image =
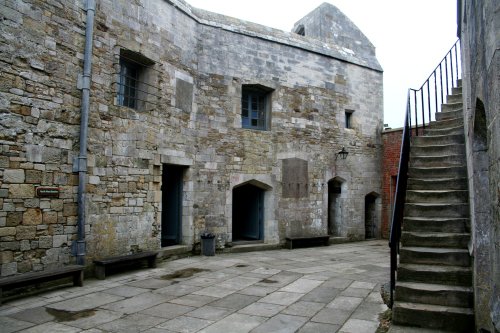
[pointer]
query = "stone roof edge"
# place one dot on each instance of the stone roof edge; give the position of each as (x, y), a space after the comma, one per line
(282, 37)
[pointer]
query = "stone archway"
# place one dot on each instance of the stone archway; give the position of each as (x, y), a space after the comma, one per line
(336, 201)
(372, 218)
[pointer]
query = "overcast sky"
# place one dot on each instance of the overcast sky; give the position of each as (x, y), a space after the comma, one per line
(411, 37)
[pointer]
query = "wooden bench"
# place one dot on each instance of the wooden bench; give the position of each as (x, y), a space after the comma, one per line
(294, 242)
(100, 264)
(22, 280)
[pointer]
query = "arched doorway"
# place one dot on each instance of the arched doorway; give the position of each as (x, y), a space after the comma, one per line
(248, 213)
(336, 191)
(371, 216)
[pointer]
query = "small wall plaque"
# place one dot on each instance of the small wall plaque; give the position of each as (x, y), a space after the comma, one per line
(47, 192)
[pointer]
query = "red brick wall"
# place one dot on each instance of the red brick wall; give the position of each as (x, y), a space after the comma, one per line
(390, 163)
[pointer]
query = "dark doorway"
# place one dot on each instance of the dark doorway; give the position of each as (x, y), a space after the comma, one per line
(370, 216)
(171, 216)
(248, 213)
(334, 207)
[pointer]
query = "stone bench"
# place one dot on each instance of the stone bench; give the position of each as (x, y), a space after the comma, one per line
(100, 264)
(294, 242)
(22, 280)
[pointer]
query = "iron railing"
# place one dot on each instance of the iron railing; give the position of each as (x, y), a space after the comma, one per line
(422, 103)
(426, 101)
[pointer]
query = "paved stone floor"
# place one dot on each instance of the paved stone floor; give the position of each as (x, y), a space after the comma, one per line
(321, 289)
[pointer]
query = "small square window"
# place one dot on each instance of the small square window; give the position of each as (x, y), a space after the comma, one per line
(136, 84)
(348, 119)
(255, 108)
(128, 86)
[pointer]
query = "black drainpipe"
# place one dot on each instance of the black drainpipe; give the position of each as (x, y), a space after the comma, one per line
(80, 164)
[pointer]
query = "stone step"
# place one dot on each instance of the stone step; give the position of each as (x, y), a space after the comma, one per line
(456, 90)
(448, 123)
(458, 129)
(438, 274)
(446, 139)
(437, 184)
(435, 239)
(445, 115)
(436, 294)
(433, 316)
(437, 150)
(437, 196)
(436, 224)
(452, 106)
(434, 256)
(438, 161)
(447, 210)
(437, 172)
(455, 97)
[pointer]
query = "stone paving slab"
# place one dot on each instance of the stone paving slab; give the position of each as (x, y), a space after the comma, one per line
(312, 290)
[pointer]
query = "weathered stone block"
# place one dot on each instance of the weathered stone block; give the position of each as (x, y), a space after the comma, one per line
(49, 217)
(15, 176)
(25, 232)
(7, 231)
(25, 245)
(33, 176)
(70, 209)
(21, 191)
(6, 257)
(32, 216)
(13, 219)
(45, 242)
(4, 193)
(32, 203)
(9, 269)
(59, 240)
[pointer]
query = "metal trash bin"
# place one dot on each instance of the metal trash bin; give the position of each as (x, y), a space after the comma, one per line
(207, 244)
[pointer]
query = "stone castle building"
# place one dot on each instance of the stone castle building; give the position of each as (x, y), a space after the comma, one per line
(134, 125)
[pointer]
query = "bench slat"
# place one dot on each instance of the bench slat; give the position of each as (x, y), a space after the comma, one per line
(311, 240)
(100, 264)
(22, 280)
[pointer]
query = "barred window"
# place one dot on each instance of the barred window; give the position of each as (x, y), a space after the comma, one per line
(129, 78)
(255, 108)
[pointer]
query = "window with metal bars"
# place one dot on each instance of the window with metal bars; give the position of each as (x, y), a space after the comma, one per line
(128, 85)
(255, 108)
(137, 81)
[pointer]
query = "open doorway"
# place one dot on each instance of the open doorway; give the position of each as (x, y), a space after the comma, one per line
(371, 216)
(335, 207)
(248, 213)
(172, 193)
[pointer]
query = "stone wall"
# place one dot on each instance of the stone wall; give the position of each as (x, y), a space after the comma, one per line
(479, 26)
(197, 64)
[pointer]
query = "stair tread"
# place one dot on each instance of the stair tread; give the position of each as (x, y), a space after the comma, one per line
(432, 286)
(434, 249)
(438, 168)
(435, 268)
(436, 191)
(437, 218)
(436, 234)
(433, 180)
(439, 145)
(434, 308)
(431, 204)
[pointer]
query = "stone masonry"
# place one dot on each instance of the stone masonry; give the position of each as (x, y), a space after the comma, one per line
(196, 66)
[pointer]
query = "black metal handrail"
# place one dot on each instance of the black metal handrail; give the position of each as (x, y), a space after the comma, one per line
(447, 73)
(426, 101)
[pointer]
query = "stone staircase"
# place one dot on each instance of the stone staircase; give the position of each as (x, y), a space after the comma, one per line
(434, 276)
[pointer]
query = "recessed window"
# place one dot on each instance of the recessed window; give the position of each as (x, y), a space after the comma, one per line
(255, 107)
(300, 30)
(135, 80)
(128, 88)
(348, 118)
